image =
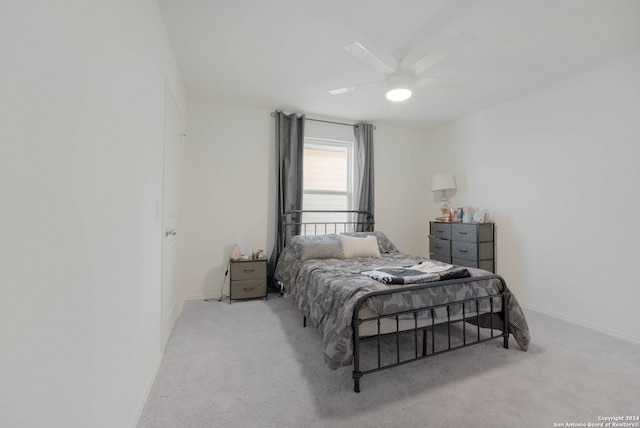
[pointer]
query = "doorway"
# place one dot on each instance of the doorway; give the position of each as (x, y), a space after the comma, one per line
(173, 179)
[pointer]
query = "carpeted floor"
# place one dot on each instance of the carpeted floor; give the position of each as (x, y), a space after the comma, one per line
(252, 364)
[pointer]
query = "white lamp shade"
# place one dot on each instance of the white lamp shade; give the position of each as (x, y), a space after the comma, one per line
(244, 244)
(443, 181)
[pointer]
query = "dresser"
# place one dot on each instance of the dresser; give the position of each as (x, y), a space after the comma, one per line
(248, 279)
(463, 244)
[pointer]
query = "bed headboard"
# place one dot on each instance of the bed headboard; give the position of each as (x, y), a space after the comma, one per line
(324, 222)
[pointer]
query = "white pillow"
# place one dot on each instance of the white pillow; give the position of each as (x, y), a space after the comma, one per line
(360, 247)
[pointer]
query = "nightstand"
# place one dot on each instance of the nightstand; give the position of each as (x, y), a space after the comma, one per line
(248, 279)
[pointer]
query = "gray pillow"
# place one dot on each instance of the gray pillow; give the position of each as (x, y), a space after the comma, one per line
(317, 247)
(384, 244)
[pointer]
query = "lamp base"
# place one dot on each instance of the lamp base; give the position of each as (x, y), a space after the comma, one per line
(444, 206)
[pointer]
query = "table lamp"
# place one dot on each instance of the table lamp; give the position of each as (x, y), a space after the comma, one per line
(443, 182)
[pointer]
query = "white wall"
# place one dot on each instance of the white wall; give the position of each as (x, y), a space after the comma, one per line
(227, 190)
(82, 87)
(230, 189)
(558, 169)
(402, 192)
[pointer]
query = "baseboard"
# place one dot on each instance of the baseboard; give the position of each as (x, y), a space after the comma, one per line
(176, 310)
(200, 297)
(145, 394)
(606, 331)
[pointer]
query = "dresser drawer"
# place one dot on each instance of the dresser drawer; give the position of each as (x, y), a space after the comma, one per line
(482, 264)
(465, 263)
(464, 232)
(487, 265)
(441, 230)
(248, 270)
(471, 251)
(472, 232)
(248, 288)
(440, 246)
(444, 258)
(463, 244)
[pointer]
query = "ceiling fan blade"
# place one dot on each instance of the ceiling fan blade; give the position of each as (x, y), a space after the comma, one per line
(443, 83)
(363, 54)
(354, 87)
(454, 45)
(342, 90)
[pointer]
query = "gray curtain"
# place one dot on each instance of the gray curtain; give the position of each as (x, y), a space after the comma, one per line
(289, 152)
(364, 164)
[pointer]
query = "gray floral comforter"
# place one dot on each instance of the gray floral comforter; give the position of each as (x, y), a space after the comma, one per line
(326, 291)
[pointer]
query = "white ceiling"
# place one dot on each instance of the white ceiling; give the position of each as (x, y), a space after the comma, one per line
(287, 54)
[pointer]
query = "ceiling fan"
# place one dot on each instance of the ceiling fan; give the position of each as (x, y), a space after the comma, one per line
(401, 80)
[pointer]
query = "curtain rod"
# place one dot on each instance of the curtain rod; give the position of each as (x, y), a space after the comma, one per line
(273, 114)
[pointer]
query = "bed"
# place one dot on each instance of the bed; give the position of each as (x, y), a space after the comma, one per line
(370, 301)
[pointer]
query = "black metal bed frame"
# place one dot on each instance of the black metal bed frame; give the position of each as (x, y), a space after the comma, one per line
(293, 222)
(414, 313)
(364, 221)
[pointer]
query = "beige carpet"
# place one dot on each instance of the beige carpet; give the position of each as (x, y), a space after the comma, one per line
(252, 364)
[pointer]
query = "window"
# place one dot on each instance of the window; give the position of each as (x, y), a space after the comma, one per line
(327, 178)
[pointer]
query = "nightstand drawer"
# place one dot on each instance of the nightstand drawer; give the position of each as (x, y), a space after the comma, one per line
(248, 279)
(441, 230)
(248, 270)
(441, 247)
(248, 288)
(472, 251)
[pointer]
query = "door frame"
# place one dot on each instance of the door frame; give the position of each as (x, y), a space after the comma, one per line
(168, 316)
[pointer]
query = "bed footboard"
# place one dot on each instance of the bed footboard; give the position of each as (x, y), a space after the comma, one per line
(424, 344)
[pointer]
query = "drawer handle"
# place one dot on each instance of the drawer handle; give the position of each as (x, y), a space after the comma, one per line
(463, 251)
(248, 289)
(438, 247)
(463, 233)
(248, 270)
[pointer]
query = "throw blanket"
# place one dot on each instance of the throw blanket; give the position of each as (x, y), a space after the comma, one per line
(426, 271)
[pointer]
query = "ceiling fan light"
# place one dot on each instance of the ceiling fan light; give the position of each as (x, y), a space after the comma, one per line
(399, 87)
(398, 94)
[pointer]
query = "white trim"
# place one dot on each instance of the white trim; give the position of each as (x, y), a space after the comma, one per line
(209, 297)
(606, 331)
(145, 393)
(323, 142)
(314, 143)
